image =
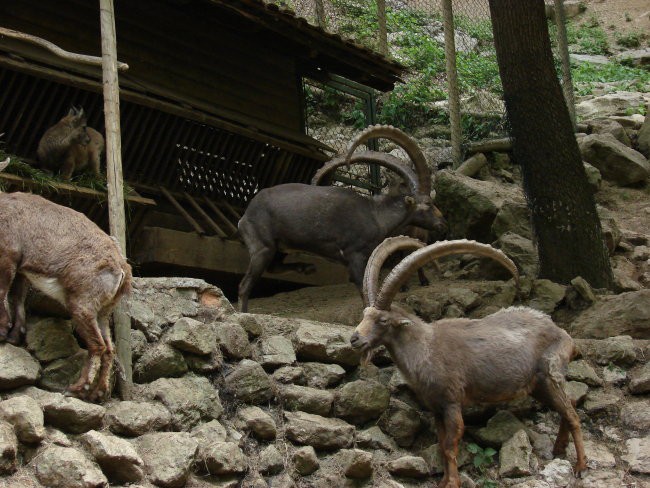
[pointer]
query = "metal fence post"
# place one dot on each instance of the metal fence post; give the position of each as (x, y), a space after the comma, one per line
(563, 48)
(452, 81)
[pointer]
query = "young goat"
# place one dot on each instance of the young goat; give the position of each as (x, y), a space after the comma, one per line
(67, 257)
(70, 145)
(452, 363)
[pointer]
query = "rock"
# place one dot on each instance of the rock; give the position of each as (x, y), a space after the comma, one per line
(637, 455)
(189, 335)
(583, 290)
(521, 251)
(356, 463)
(615, 161)
(290, 374)
(643, 138)
(624, 272)
(233, 340)
(67, 467)
(408, 466)
(276, 351)
(318, 432)
(209, 432)
(26, 416)
(619, 350)
(515, 456)
(582, 371)
(501, 427)
(571, 9)
(472, 165)
(588, 58)
(464, 298)
(136, 418)
(599, 402)
(546, 295)
(576, 391)
(614, 375)
(61, 373)
(558, 472)
(159, 361)
(602, 479)
(315, 341)
(115, 456)
(401, 422)
(513, 216)
(249, 383)
(374, 438)
(260, 423)
(636, 415)
(618, 103)
(319, 375)
(640, 380)
(435, 462)
(635, 57)
(453, 311)
(360, 401)
(189, 399)
(222, 458)
(73, 415)
(204, 364)
(8, 448)
(50, 338)
(594, 178)
(624, 314)
(598, 455)
(139, 344)
(167, 456)
(250, 323)
(271, 461)
(397, 381)
(17, 367)
(609, 126)
(305, 460)
(283, 481)
(310, 400)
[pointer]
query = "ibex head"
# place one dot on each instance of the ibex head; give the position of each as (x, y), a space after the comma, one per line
(76, 122)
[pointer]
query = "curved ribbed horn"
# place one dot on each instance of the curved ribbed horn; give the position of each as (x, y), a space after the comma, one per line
(411, 263)
(404, 141)
(377, 260)
(4, 164)
(382, 159)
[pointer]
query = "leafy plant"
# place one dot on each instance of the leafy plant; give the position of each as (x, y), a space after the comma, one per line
(619, 77)
(483, 458)
(589, 37)
(630, 39)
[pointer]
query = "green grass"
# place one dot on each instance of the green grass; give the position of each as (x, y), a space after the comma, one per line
(621, 77)
(588, 37)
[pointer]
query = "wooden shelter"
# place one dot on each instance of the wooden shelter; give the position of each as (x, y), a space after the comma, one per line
(211, 112)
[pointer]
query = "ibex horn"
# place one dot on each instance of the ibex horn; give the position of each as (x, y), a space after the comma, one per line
(4, 164)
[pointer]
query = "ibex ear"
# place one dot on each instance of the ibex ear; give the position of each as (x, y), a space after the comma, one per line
(80, 113)
(403, 322)
(72, 111)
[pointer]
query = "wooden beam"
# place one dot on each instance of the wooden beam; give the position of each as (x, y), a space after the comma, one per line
(220, 214)
(205, 216)
(197, 227)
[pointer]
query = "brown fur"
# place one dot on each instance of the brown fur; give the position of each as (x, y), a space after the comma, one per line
(70, 146)
(66, 256)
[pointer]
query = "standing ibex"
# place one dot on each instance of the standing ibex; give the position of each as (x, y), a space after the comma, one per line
(67, 257)
(70, 145)
(452, 363)
(333, 222)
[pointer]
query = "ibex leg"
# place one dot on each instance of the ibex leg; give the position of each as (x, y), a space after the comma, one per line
(85, 322)
(259, 262)
(7, 275)
(454, 427)
(102, 387)
(18, 296)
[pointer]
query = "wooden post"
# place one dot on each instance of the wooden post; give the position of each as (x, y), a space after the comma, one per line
(452, 81)
(563, 48)
(383, 32)
(115, 184)
(320, 13)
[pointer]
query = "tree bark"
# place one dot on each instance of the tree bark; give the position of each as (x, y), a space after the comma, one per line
(563, 208)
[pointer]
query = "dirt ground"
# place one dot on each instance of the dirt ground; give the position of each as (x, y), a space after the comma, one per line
(622, 16)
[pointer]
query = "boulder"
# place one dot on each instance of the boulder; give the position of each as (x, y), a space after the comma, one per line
(635, 57)
(643, 139)
(619, 350)
(159, 361)
(305, 460)
(637, 455)
(17, 367)
(189, 335)
(318, 432)
(521, 251)
(513, 216)
(640, 380)
(609, 126)
(260, 423)
(599, 402)
(8, 448)
(619, 103)
(636, 416)
(139, 344)
(233, 340)
(209, 432)
(117, 457)
(356, 463)
(558, 472)
(582, 371)
(609, 227)
(73, 415)
(360, 401)
(248, 382)
(61, 373)
(615, 161)
(546, 295)
(401, 422)
(576, 391)
(328, 343)
(136, 418)
(515, 456)
(594, 178)
(310, 400)
(276, 351)
(501, 427)
(250, 322)
(435, 462)
(167, 456)
(374, 438)
(290, 374)
(271, 460)
(67, 467)
(50, 338)
(26, 416)
(624, 314)
(408, 466)
(222, 458)
(320, 375)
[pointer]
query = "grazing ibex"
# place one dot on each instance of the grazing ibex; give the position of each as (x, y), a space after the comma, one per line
(452, 363)
(70, 145)
(333, 222)
(67, 257)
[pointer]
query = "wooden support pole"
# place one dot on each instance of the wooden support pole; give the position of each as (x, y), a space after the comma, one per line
(452, 81)
(320, 13)
(115, 183)
(563, 48)
(383, 31)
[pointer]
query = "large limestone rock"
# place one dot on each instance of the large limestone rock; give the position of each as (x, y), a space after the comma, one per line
(233, 340)
(26, 416)
(501, 427)
(624, 314)
(356, 463)
(328, 343)
(515, 456)
(61, 373)
(318, 432)
(73, 415)
(400, 421)
(615, 161)
(609, 126)
(189, 335)
(67, 467)
(137, 418)
(249, 383)
(276, 351)
(8, 448)
(159, 361)
(409, 466)
(222, 458)
(643, 140)
(310, 400)
(319, 375)
(640, 380)
(521, 251)
(611, 104)
(17, 367)
(636, 416)
(305, 460)
(167, 456)
(271, 460)
(260, 423)
(513, 216)
(637, 454)
(361, 401)
(209, 432)
(117, 457)
(50, 338)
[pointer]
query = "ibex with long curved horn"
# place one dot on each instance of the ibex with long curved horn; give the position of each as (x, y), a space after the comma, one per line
(452, 363)
(333, 222)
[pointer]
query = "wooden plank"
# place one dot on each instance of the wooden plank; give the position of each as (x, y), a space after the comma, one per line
(205, 216)
(199, 230)
(220, 214)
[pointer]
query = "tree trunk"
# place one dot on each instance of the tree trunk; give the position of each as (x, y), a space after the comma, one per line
(566, 224)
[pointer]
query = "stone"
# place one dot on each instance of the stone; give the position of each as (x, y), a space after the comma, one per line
(117, 457)
(204, 364)
(374, 438)
(250, 322)
(582, 371)
(637, 455)
(602, 479)
(17, 367)
(609, 126)
(435, 462)
(643, 138)
(73, 415)
(615, 315)
(289, 374)
(464, 298)
(599, 402)
(189, 399)
(233, 340)
(318, 432)
(248, 382)
(315, 341)
(26, 416)
(320, 375)
(284, 481)
(521, 251)
(624, 272)
(8, 448)
(397, 381)
(55, 436)
(260, 423)
(453, 311)
(310, 400)
(598, 455)
(546, 295)
(583, 289)
(613, 375)
(209, 432)
(360, 401)
(159, 361)
(618, 103)
(640, 380)
(136, 418)
(619, 350)
(472, 165)
(513, 216)
(408, 466)
(594, 178)
(615, 161)
(576, 391)
(636, 415)
(67, 467)
(515, 456)
(222, 458)
(271, 461)
(558, 472)
(611, 232)
(356, 463)
(305, 460)
(61, 373)
(635, 57)
(139, 344)
(50, 338)
(167, 456)
(400, 421)
(501, 427)
(189, 335)
(276, 351)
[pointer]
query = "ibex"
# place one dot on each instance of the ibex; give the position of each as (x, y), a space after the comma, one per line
(70, 145)
(66, 256)
(333, 222)
(452, 363)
